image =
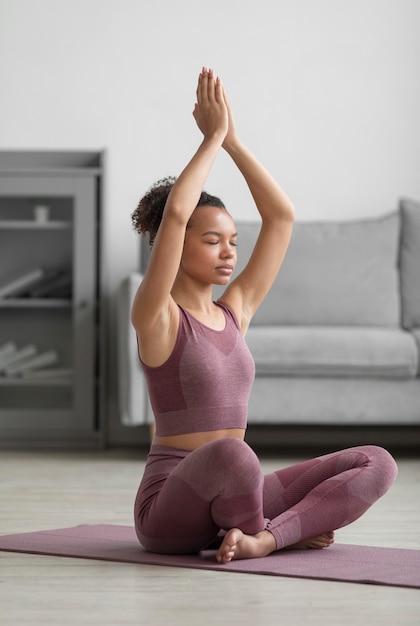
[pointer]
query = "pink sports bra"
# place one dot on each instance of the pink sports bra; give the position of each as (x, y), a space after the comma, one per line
(205, 383)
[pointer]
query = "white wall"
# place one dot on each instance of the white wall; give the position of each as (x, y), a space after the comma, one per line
(326, 92)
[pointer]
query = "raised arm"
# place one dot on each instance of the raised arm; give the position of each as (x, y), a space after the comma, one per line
(248, 290)
(153, 308)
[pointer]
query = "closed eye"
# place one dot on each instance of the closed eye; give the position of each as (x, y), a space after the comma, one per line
(214, 243)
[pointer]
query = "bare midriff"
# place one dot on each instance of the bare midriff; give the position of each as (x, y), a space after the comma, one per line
(192, 441)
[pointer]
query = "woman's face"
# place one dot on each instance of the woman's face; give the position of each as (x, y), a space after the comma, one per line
(209, 254)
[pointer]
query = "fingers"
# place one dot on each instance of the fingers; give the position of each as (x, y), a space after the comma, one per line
(210, 110)
(202, 86)
(207, 84)
(219, 91)
(209, 88)
(225, 98)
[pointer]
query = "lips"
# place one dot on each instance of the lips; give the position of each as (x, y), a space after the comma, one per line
(227, 269)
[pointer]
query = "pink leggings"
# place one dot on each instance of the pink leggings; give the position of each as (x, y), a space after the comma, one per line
(186, 498)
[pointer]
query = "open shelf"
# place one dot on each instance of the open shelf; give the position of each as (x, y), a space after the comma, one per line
(27, 381)
(33, 224)
(36, 303)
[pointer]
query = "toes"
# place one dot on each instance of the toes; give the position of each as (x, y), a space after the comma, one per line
(226, 556)
(228, 548)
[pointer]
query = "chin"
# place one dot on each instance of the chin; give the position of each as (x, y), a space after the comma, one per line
(222, 281)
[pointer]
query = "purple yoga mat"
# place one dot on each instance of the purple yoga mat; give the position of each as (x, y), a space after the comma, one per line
(340, 562)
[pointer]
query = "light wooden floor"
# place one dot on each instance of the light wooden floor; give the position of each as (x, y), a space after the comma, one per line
(43, 490)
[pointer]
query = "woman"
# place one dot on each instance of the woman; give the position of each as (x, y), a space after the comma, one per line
(202, 483)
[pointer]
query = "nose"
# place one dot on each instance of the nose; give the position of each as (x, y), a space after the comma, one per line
(228, 251)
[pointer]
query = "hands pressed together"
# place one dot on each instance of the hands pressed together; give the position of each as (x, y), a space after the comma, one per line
(212, 111)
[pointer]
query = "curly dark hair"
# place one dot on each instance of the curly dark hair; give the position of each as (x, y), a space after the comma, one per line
(148, 215)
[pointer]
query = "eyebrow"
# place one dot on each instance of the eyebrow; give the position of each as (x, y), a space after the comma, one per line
(214, 232)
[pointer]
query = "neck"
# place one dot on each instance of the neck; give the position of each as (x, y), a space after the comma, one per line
(194, 298)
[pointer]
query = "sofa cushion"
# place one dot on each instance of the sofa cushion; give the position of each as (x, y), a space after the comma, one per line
(334, 273)
(335, 402)
(334, 352)
(410, 263)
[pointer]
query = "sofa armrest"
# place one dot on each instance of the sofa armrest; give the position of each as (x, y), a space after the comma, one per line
(416, 333)
(410, 263)
(132, 392)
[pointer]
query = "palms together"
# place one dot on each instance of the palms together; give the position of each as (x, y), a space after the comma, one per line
(212, 111)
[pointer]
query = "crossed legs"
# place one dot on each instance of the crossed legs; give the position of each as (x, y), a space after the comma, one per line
(221, 486)
(306, 502)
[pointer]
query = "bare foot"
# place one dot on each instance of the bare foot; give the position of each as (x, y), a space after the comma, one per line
(319, 542)
(237, 545)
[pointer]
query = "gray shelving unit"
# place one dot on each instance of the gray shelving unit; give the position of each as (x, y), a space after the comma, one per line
(63, 405)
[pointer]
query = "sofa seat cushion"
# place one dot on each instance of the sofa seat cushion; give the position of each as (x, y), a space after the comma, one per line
(334, 351)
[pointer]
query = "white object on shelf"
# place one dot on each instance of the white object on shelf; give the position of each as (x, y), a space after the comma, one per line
(41, 213)
(56, 281)
(37, 362)
(19, 282)
(16, 356)
(6, 350)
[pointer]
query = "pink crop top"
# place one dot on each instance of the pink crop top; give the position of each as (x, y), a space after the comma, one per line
(205, 383)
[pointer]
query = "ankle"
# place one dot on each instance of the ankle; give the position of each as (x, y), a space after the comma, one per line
(267, 541)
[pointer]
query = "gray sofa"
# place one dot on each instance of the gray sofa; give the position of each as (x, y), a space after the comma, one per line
(336, 342)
